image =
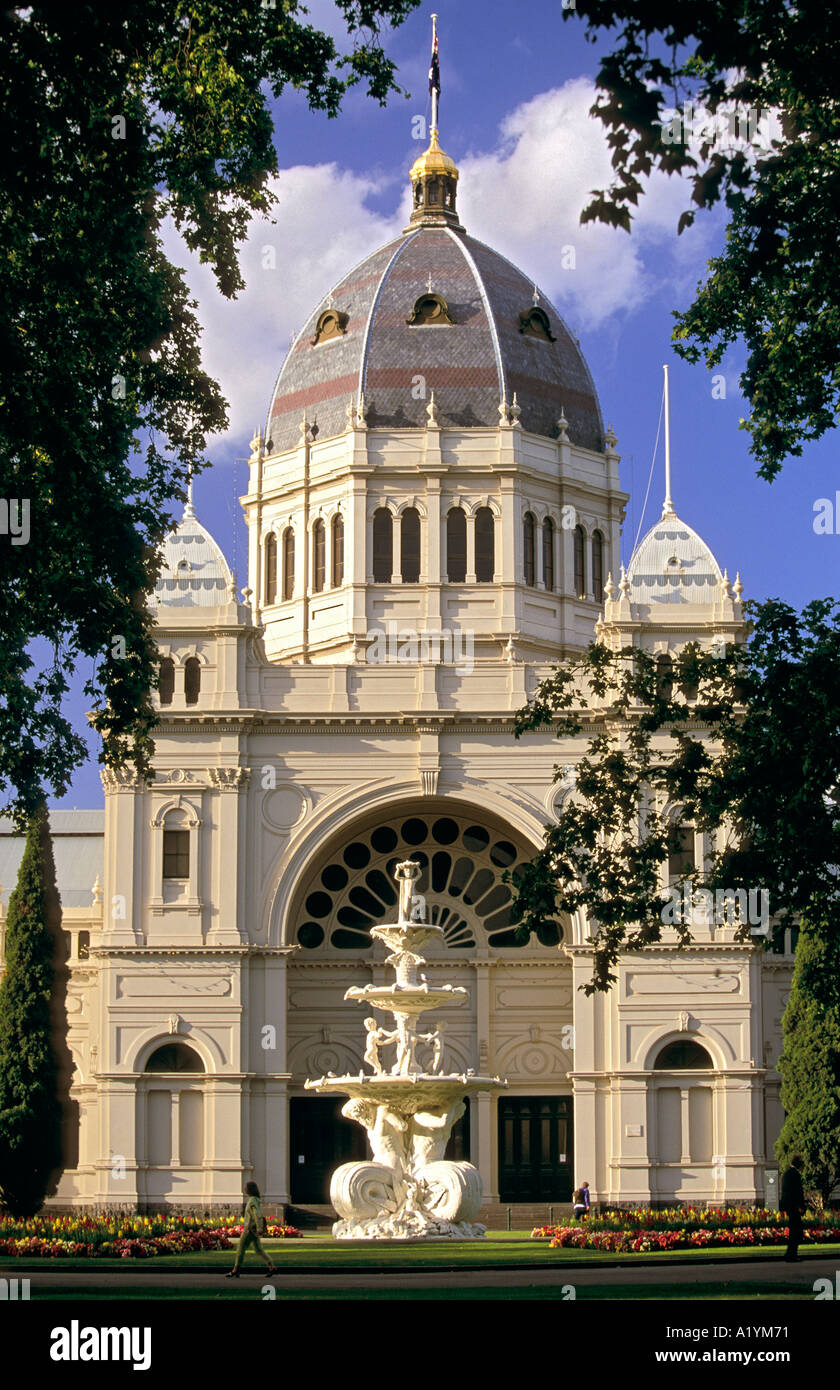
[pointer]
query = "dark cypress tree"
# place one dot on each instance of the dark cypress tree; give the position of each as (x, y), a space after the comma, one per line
(810, 1061)
(30, 1108)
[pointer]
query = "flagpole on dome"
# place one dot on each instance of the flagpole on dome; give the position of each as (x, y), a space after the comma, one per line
(668, 508)
(434, 77)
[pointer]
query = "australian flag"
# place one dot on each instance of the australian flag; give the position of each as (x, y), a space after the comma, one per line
(434, 70)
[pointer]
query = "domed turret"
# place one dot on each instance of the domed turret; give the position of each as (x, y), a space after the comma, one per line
(672, 564)
(194, 570)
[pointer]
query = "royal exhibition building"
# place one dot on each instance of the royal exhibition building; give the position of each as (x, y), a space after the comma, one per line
(434, 518)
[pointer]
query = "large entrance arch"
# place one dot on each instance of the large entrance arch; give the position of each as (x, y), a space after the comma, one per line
(514, 1021)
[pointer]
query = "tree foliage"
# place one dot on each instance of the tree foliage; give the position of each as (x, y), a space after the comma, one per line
(30, 1106)
(115, 117)
(776, 286)
(745, 741)
(810, 1061)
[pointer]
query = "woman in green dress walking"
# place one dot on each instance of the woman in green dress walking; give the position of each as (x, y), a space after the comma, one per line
(252, 1229)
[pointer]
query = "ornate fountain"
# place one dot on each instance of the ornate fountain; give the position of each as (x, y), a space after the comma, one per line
(408, 1190)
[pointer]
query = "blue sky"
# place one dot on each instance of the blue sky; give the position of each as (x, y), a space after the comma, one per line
(516, 88)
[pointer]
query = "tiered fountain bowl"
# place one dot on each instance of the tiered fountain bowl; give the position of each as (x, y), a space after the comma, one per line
(408, 1190)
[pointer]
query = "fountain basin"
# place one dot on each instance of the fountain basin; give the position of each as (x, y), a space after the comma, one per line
(407, 1094)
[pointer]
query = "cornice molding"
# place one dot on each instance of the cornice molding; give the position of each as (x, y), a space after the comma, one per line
(215, 953)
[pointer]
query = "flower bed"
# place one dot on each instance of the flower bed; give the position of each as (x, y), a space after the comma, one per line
(687, 1228)
(129, 1238)
(689, 1219)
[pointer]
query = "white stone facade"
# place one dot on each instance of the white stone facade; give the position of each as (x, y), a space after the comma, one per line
(239, 885)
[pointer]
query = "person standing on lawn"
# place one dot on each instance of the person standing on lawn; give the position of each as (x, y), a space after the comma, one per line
(792, 1204)
(580, 1201)
(253, 1226)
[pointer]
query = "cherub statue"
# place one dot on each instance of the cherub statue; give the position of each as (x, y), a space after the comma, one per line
(372, 1044)
(435, 1041)
(406, 1041)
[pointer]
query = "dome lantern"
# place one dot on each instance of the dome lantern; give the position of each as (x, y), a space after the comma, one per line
(434, 187)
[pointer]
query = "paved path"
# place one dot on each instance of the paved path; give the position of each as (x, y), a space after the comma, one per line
(762, 1275)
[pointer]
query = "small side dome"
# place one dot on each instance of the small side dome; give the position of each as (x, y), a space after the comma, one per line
(672, 564)
(194, 572)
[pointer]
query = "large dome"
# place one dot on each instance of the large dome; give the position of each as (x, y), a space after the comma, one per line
(434, 304)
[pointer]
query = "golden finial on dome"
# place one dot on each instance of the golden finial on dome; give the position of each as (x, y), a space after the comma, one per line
(433, 160)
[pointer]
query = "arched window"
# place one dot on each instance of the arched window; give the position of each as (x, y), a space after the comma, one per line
(271, 568)
(383, 546)
(83, 946)
(410, 545)
(580, 565)
(548, 552)
(683, 1055)
(166, 686)
(288, 563)
(485, 553)
(529, 549)
(598, 566)
(174, 1056)
(192, 680)
(337, 551)
(456, 545)
(319, 556)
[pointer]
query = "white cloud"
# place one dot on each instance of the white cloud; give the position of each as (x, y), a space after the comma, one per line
(322, 229)
(524, 198)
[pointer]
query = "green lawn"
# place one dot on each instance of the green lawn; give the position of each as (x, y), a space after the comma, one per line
(252, 1291)
(317, 1251)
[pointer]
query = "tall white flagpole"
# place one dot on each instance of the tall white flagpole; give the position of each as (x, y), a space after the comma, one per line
(669, 505)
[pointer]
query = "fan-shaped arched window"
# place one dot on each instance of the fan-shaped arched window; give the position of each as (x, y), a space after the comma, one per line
(580, 563)
(683, 1055)
(456, 545)
(271, 568)
(288, 563)
(192, 680)
(166, 685)
(175, 1056)
(337, 551)
(548, 552)
(319, 556)
(485, 549)
(529, 548)
(598, 566)
(383, 546)
(410, 545)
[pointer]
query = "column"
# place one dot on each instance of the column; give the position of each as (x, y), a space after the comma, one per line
(471, 579)
(175, 1128)
(396, 559)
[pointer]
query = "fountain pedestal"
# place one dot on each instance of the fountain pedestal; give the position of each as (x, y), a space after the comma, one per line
(408, 1190)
